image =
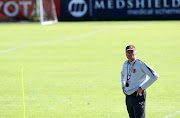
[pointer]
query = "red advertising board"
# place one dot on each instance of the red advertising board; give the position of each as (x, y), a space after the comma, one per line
(21, 9)
(16, 9)
(57, 4)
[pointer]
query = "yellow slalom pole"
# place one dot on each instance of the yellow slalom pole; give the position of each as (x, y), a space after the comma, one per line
(22, 91)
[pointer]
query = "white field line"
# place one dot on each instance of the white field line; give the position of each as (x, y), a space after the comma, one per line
(52, 41)
(168, 116)
(73, 37)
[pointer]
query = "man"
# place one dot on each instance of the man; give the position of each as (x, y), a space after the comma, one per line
(134, 78)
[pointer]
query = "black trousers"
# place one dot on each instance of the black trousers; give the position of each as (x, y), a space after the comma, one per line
(136, 105)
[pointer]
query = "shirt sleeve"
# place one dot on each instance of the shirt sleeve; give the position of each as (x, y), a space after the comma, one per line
(151, 73)
(123, 77)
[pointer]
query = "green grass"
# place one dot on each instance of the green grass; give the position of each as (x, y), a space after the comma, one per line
(80, 78)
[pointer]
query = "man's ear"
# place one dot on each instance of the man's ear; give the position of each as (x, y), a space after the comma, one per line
(136, 53)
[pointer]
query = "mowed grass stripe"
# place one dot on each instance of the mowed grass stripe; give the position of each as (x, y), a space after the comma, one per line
(73, 37)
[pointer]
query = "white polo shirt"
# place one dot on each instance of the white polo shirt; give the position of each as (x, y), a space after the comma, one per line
(139, 72)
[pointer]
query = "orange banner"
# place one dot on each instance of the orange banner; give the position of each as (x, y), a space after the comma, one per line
(17, 9)
(21, 9)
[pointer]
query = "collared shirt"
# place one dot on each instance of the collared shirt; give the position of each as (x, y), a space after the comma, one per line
(139, 72)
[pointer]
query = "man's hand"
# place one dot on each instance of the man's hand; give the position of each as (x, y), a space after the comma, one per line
(139, 91)
(123, 91)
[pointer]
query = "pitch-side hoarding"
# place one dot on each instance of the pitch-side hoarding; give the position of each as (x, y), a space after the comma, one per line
(119, 9)
(21, 9)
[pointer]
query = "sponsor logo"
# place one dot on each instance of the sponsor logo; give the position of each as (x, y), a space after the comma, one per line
(141, 103)
(140, 7)
(14, 8)
(134, 70)
(136, 4)
(77, 8)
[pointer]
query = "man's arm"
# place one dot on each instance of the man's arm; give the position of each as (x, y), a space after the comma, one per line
(123, 90)
(153, 77)
(151, 73)
(123, 79)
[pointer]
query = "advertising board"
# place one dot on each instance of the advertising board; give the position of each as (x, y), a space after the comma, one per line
(119, 9)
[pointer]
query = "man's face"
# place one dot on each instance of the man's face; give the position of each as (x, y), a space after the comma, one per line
(131, 54)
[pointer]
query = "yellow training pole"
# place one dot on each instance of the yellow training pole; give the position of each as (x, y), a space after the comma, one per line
(22, 91)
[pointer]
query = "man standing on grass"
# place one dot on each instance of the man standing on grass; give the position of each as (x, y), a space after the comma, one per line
(134, 78)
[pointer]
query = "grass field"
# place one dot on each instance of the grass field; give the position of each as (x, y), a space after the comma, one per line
(72, 69)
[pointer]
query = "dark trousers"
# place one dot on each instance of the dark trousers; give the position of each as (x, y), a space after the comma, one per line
(136, 105)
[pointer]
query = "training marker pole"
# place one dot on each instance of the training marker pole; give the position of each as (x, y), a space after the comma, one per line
(22, 91)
